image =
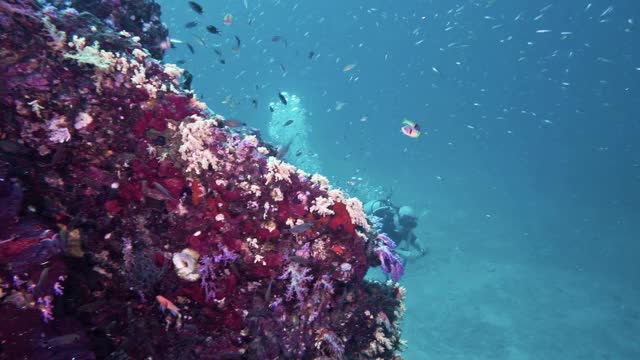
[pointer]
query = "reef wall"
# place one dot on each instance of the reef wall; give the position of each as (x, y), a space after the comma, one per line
(135, 224)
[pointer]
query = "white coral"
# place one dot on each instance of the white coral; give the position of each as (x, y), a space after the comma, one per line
(278, 170)
(174, 71)
(321, 206)
(320, 181)
(58, 131)
(276, 194)
(356, 212)
(186, 264)
(382, 339)
(92, 55)
(36, 108)
(140, 55)
(251, 140)
(139, 76)
(194, 149)
(336, 195)
(255, 190)
(82, 120)
(57, 37)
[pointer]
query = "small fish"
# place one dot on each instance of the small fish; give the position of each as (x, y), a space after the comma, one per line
(298, 229)
(41, 280)
(384, 320)
(200, 40)
(191, 24)
(284, 70)
(289, 122)
(277, 38)
(237, 47)
(267, 294)
(282, 98)
(180, 62)
(196, 7)
(254, 102)
(311, 55)
(299, 260)
(212, 29)
(165, 304)
(607, 11)
(222, 61)
(298, 153)
(270, 108)
(188, 78)
(282, 151)
(410, 129)
(157, 192)
(62, 340)
(349, 67)
(545, 8)
(228, 100)
(228, 19)
(191, 48)
(232, 123)
(218, 52)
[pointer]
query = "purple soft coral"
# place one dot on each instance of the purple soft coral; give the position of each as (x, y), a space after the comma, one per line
(298, 276)
(46, 308)
(226, 256)
(206, 269)
(390, 262)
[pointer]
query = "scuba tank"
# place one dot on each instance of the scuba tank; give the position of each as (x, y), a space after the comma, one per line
(380, 208)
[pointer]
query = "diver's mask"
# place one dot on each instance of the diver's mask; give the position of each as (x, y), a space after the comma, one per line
(408, 222)
(406, 218)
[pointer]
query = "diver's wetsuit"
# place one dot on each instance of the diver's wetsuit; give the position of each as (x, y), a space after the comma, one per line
(389, 214)
(386, 211)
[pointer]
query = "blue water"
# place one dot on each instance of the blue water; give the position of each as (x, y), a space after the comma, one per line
(526, 176)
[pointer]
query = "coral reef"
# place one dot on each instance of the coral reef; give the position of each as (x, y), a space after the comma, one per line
(135, 224)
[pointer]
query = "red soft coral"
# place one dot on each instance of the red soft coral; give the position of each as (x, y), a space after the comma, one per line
(341, 221)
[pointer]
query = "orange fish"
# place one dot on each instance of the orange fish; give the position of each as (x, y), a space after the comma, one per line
(197, 191)
(228, 19)
(338, 249)
(410, 129)
(165, 304)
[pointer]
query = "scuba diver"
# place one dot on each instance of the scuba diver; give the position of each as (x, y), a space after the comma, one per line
(398, 223)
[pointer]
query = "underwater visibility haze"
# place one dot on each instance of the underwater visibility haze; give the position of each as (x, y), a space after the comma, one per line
(275, 179)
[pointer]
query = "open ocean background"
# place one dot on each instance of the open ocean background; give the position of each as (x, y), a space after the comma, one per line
(526, 176)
